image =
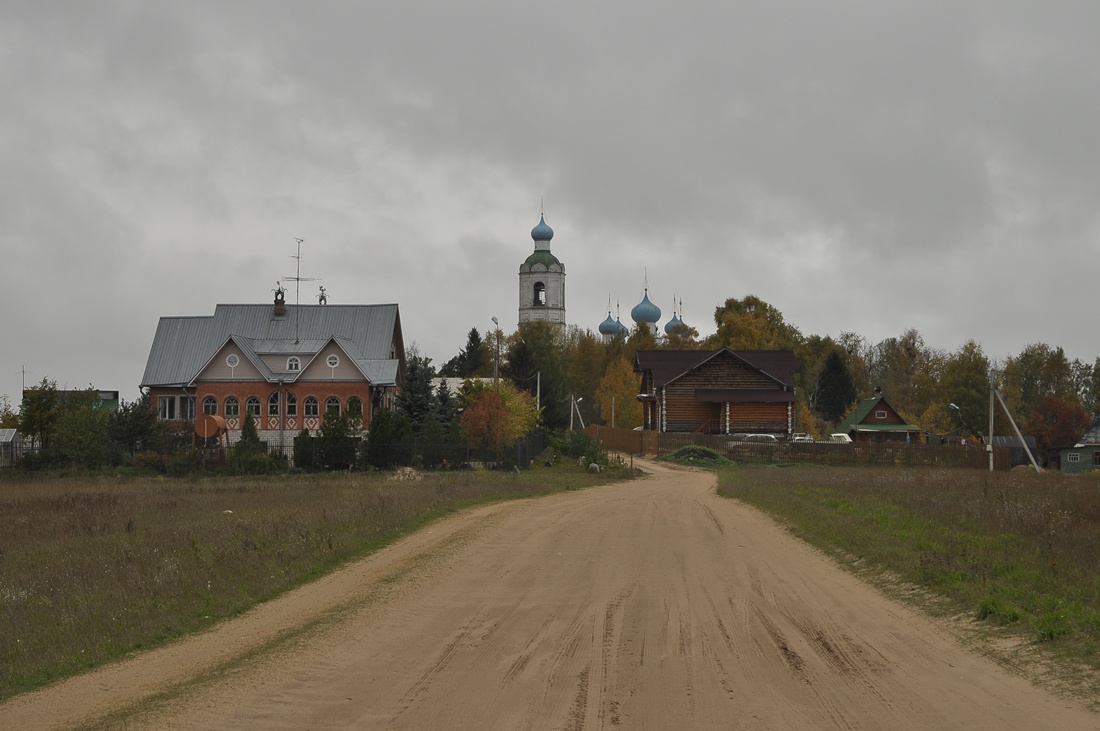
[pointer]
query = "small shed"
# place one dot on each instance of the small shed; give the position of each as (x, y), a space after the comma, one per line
(1017, 449)
(11, 447)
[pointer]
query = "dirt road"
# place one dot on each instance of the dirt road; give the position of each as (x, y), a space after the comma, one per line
(652, 604)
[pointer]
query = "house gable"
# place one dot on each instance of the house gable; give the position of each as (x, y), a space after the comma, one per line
(875, 419)
(231, 362)
(333, 362)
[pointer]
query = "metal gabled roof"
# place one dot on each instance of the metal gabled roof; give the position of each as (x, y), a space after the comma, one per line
(380, 372)
(268, 346)
(183, 345)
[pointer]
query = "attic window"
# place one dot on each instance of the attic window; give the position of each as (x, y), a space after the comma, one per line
(880, 414)
(232, 360)
(293, 363)
(540, 295)
(333, 360)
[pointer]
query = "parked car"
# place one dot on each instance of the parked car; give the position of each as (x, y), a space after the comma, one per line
(801, 438)
(759, 438)
(840, 438)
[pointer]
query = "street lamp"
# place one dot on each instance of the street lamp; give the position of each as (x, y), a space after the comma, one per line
(574, 407)
(958, 418)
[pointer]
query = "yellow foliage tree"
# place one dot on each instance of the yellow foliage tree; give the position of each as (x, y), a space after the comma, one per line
(498, 413)
(618, 393)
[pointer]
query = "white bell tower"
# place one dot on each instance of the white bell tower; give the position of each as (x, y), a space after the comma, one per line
(542, 281)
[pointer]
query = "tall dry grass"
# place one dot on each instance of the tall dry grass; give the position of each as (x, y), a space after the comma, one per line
(1016, 550)
(93, 568)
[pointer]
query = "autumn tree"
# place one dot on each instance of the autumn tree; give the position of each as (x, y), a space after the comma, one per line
(536, 358)
(1038, 372)
(617, 395)
(752, 324)
(9, 417)
(585, 355)
(907, 371)
(40, 413)
(682, 337)
(858, 351)
(498, 414)
(1056, 424)
(965, 384)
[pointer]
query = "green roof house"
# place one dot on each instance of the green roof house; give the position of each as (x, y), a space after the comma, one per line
(875, 420)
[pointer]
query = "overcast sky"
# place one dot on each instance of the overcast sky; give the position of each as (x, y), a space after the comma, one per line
(862, 166)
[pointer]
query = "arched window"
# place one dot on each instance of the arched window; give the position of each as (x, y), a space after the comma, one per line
(332, 406)
(273, 404)
(311, 406)
(293, 363)
(252, 406)
(210, 405)
(232, 407)
(291, 404)
(540, 295)
(355, 406)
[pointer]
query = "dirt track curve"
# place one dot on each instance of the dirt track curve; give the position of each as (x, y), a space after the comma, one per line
(651, 604)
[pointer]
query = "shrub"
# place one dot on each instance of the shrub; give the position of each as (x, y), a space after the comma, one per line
(695, 453)
(578, 444)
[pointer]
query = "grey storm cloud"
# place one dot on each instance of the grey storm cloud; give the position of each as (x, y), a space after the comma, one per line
(863, 167)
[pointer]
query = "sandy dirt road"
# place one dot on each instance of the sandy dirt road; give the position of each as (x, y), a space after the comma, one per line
(653, 604)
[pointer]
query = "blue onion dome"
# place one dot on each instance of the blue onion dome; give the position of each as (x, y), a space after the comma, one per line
(623, 329)
(645, 311)
(672, 324)
(542, 232)
(609, 326)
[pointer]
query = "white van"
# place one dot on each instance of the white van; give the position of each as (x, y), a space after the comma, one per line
(840, 438)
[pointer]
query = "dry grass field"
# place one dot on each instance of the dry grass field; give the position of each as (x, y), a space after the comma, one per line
(93, 568)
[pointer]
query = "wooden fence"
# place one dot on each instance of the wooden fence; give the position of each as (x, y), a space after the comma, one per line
(824, 453)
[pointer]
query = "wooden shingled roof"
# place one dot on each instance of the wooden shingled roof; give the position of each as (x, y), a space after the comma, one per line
(668, 365)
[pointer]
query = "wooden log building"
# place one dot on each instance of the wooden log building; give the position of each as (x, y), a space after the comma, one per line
(717, 392)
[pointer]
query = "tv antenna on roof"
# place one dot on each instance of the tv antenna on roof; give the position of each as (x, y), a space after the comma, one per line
(297, 279)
